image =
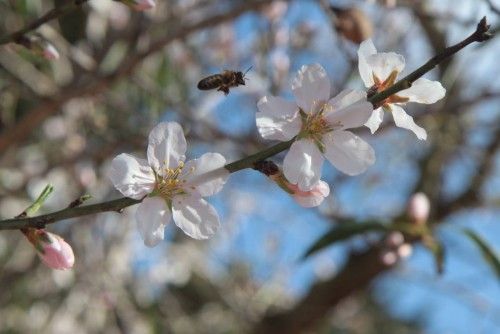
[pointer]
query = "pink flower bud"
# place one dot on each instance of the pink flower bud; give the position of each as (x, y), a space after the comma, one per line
(307, 199)
(50, 52)
(141, 5)
(394, 239)
(52, 249)
(419, 208)
(405, 250)
(388, 257)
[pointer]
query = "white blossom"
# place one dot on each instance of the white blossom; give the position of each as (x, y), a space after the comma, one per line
(173, 189)
(319, 125)
(379, 71)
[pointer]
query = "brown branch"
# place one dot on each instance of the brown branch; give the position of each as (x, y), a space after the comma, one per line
(356, 275)
(35, 117)
(50, 15)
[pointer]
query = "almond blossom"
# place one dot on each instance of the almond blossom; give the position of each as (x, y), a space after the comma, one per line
(319, 125)
(52, 249)
(171, 188)
(379, 71)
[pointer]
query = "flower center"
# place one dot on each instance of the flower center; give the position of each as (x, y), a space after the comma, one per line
(380, 86)
(171, 182)
(315, 125)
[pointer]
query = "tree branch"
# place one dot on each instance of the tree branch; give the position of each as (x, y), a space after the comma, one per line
(50, 15)
(481, 34)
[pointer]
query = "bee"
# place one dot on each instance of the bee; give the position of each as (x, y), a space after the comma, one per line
(223, 81)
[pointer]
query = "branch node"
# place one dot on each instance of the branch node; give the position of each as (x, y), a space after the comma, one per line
(79, 201)
(482, 31)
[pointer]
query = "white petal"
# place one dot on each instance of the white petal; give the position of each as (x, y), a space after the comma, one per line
(167, 146)
(405, 121)
(302, 164)
(375, 120)
(152, 215)
(206, 175)
(348, 152)
(195, 216)
(365, 50)
(131, 176)
(350, 109)
(277, 119)
(424, 91)
(311, 86)
(315, 197)
(382, 64)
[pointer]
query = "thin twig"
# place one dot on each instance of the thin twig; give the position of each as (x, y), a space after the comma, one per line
(481, 34)
(50, 15)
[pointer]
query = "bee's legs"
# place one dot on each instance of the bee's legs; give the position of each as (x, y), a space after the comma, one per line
(224, 88)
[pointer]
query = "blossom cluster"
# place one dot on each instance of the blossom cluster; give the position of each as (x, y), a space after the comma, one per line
(317, 124)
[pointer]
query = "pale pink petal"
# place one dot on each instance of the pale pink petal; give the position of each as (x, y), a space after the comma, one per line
(383, 64)
(348, 152)
(195, 216)
(375, 120)
(206, 175)
(314, 197)
(349, 110)
(277, 119)
(167, 146)
(302, 164)
(131, 176)
(311, 87)
(152, 216)
(405, 121)
(424, 91)
(141, 5)
(365, 50)
(57, 253)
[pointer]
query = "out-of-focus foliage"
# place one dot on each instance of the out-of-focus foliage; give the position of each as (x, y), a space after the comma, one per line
(62, 121)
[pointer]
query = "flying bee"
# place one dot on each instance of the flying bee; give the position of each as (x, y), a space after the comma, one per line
(223, 81)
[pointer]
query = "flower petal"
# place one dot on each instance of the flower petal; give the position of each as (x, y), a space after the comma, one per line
(314, 197)
(311, 86)
(206, 175)
(375, 120)
(424, 91)
(405, 121)
(366, 49)
(277, 119)
(348, 152)
(152, 215)
(167, 146)
(195, 216)
(131, 176)
(350, 109)
(302, 164)
(382, 64)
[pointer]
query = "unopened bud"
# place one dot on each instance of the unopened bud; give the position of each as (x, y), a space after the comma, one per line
(405, 250)
(52, 249)
(40, 46)
(394, 239)
(388, 257)
(419, 207)
(307, 199)
(352, 24)
(139, 5)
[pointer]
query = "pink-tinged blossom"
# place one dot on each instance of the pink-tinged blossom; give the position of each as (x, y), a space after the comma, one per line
(419, 208)
(50, 52)
(172, 189)
(319, 126)
(52, 249)
(307, 199)
(379, 71)
(140, 5)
